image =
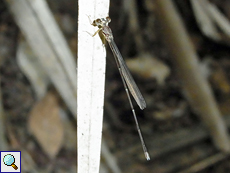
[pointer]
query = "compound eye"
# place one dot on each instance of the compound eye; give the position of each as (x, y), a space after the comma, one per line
(98, 21)
(108, 19)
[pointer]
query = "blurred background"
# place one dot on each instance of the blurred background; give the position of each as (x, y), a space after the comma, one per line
(35, 119)
(188, 95)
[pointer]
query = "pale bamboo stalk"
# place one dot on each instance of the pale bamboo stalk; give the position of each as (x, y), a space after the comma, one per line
(90, 86)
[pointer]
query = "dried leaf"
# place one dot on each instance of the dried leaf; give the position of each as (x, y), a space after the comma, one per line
(46, 125)
(149, 67)
(220, 80)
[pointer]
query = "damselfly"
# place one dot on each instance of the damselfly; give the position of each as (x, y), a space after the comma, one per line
(126, 77)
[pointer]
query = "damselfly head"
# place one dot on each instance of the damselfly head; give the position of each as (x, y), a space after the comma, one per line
(108, 19)
(101, 22)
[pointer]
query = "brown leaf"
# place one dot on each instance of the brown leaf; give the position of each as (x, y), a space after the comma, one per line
(46, 125)
(149, 67)
(220, 80)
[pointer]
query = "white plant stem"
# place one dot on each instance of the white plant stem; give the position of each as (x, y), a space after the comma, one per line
(90, 87)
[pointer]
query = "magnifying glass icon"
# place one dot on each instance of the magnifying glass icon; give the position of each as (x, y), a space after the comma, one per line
(9, 160)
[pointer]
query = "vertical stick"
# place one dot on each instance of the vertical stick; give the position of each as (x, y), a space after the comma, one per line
(90, 87)
(195, 85)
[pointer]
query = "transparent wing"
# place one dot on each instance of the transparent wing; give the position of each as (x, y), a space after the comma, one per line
(127, 76)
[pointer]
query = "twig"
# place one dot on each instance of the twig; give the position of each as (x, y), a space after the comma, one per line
(205, 163)
(196, 87)
(219, 18)
(206, 24)
(209, 17)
